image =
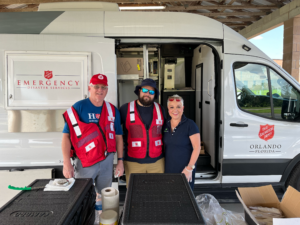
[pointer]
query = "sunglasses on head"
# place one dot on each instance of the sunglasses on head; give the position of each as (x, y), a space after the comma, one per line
(172, 99)
(145, 90)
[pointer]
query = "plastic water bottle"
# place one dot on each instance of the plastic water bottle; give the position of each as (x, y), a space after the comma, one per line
(98, 209)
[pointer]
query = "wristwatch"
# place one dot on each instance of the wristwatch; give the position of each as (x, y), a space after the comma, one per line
(193, 166)
(121, 159)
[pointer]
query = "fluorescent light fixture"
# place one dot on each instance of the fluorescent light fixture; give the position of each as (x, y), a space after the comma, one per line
(16, 6)
(141, 7)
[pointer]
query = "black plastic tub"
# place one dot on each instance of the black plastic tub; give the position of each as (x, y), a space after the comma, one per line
(75, 206)
(160, 199)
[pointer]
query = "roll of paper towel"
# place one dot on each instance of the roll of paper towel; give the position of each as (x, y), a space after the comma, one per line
(110, 199)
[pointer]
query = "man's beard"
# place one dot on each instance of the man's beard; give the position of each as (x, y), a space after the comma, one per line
(145, 102)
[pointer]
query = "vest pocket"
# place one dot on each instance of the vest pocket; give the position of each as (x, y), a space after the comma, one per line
(92, 152)
(156, 131)
(136, 131)
(157, 148)
(111, 142)
(137, 149)
(87, 139)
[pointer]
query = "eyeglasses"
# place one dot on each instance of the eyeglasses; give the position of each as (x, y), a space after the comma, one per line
(97, 87)
(145, 90)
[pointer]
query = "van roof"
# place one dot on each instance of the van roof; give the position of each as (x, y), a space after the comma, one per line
(111, 24)
(122, 24)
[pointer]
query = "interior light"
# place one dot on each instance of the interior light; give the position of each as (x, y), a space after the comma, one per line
(141, 7)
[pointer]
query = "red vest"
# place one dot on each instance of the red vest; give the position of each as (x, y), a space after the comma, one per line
(92, 141)
(142, 142)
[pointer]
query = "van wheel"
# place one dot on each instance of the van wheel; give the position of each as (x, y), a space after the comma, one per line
(294, 178)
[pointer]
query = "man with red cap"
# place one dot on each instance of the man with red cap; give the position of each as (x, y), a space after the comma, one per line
(92, 133)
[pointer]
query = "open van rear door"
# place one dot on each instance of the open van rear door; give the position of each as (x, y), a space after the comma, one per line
(261, 120)
(43, 76)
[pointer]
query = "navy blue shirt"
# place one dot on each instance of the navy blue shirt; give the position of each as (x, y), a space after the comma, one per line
(88, 113)
(178, 146)
(146, 114)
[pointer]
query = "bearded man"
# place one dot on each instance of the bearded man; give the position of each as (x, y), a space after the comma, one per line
(142, 121)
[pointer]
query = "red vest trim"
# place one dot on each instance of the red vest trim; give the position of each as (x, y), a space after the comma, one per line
(141, 141)
(92, 141)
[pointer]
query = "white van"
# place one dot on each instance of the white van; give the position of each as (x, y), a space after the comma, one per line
(246, 106)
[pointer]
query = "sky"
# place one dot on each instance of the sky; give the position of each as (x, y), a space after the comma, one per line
(271, 42)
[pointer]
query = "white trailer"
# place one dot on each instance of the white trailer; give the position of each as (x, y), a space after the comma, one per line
(246, 106)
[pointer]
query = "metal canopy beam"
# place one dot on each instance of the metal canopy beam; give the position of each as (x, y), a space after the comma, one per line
(8, 2)
(250, 19)
(210, 7)
(233, 14)
(272, 20)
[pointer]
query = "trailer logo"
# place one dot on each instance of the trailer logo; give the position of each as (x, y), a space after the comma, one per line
(266, 132)
(48, 74)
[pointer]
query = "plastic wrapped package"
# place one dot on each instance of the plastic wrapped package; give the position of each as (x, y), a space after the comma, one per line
(214, 214)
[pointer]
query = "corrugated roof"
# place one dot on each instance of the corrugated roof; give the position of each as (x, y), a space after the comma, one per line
(236, 14)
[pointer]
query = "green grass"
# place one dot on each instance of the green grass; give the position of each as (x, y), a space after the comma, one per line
(262, 110)
(263, 92)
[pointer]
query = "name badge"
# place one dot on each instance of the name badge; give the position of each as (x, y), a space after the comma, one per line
(90, 147)
(158, 143)
(159, 122)
(136, 144)
(111, 136)
(112, 128)
(112, 119)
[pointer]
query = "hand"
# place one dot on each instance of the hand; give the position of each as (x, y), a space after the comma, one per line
(68, 169)
(119, 169)
(188, 174)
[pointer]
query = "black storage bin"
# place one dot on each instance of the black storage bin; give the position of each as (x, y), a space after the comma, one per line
(75, 206)
(161, 199)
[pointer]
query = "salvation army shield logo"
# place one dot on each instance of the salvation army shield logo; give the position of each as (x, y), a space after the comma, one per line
(48, 74)
(266, 132)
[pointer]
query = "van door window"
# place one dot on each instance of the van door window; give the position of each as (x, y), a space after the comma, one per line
(252, 88)
(285, 98)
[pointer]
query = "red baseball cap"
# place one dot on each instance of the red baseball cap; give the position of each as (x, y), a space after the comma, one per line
(99, 79)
